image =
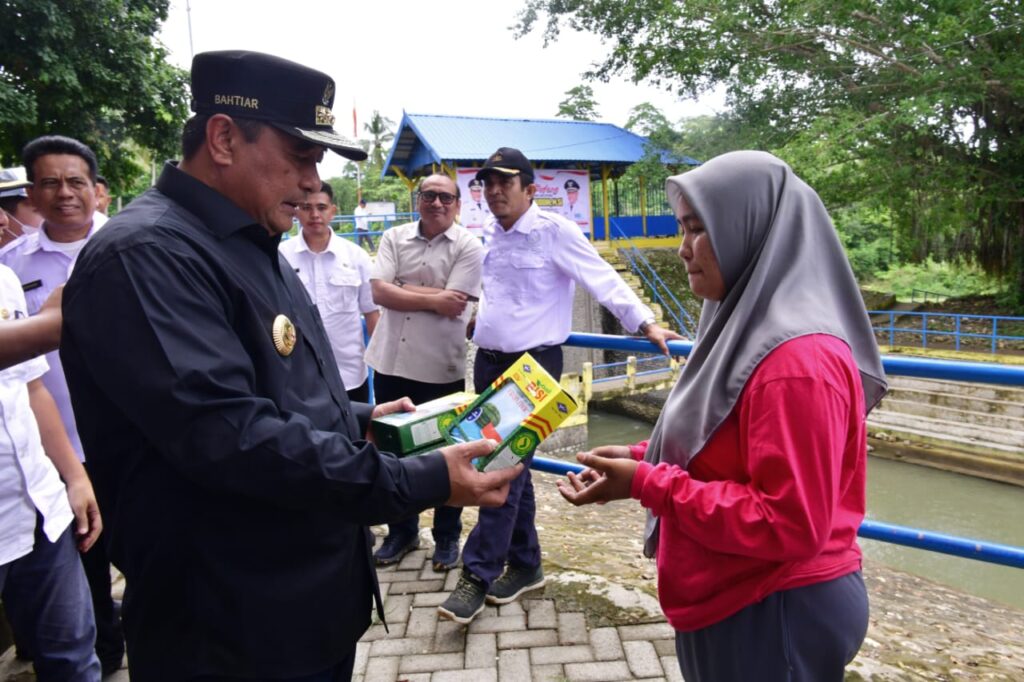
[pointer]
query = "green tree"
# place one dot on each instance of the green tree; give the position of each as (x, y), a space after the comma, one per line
(90, 70)
(381, 132)
(579, 104)
(917, 106)
(646, 119)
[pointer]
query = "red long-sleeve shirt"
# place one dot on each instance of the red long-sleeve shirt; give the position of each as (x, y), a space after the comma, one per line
(775, 498)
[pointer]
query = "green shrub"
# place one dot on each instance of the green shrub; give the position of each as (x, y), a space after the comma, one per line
(945, 279)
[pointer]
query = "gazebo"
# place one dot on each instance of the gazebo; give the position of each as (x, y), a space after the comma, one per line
(431, 143)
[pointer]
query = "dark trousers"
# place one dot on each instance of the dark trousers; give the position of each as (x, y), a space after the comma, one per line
(386, 387)
(507, 533)
(341, 672)
(807, 634)
(364, 240)
(359, 394)
(46, 598)
(109, 635)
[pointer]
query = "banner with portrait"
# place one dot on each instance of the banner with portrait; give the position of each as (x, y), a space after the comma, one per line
(562, 191)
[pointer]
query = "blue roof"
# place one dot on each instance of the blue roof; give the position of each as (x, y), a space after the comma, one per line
(426, 139)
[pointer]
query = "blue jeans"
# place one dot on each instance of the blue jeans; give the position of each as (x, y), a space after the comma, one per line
(507, 533)
(48, 605)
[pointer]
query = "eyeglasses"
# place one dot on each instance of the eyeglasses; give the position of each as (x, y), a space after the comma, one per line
(428, 197)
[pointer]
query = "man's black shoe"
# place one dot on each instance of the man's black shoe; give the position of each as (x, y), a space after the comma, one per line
(513, 582)
(446, 554)
(466, 601)
(394, 548)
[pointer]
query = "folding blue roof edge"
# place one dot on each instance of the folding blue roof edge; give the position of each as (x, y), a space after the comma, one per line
(425, 139)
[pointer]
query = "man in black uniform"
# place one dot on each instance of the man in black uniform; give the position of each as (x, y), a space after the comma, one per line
(238, 481)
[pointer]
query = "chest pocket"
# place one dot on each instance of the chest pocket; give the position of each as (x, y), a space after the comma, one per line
(533, 275)
(342, 290)
(527, 260)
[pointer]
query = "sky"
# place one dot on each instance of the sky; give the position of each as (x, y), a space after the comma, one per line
(456, 57)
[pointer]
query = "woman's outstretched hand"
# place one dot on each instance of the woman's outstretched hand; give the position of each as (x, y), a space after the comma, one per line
(608, 476)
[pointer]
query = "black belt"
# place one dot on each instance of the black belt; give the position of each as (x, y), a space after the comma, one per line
(497, 356)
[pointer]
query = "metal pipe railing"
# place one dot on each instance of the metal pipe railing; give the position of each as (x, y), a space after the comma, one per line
(979, 550)
(925, 368)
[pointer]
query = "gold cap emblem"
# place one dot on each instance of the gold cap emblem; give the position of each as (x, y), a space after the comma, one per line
(324, 117)
(283, 333)
(328, 94)
(4, 313)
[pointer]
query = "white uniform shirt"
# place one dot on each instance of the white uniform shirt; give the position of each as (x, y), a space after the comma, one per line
(42, 265)
(474, 216)
(361, 220)
(420, 344)
(28, 479)
(529, 278)
(338, 281)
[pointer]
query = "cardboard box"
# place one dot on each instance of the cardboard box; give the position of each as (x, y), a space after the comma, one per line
(405, 432)
(518, 411)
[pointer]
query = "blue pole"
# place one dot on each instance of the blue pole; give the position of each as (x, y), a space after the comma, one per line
(926, 368)
(978, 550)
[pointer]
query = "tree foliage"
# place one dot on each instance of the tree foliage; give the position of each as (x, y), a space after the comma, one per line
(367, 176)
(917, 107)
(381, 132)
(579, 104)
(91, 70)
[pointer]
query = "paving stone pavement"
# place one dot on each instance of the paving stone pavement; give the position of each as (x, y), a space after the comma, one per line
(537, 638)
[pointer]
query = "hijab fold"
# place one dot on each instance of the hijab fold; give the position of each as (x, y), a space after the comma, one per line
(786, 276)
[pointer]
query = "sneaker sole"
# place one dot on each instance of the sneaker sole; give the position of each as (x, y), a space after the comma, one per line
(491, 599)
(445, 613)
(443, 568)
(396, 559)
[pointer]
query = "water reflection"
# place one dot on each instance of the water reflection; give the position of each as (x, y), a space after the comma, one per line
(910, 495)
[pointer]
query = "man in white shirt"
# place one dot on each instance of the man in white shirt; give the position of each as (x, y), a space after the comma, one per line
(42, 584)
(426, 274)
(363, 225)
(532, 261)
(63, 175)
(336, 273)
(474, 210)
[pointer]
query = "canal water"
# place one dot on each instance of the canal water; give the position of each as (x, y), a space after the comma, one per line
(920, 497)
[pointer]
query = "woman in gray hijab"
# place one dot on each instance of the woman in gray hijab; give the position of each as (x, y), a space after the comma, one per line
(754, 476)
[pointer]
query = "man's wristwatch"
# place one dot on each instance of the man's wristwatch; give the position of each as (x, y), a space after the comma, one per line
(642, 329)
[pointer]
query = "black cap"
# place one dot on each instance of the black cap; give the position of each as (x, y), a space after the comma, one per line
(507, 161)
(475, 184)
(572, 184)
(291, 97)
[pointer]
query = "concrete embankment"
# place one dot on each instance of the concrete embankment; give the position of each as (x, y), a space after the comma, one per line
(974, 429)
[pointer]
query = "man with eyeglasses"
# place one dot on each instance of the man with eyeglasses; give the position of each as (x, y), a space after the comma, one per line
(425, 276)
(336, 273)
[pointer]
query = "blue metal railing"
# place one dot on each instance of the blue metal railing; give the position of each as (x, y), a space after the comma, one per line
(927, 328)
(990, 552)
(639, 264)
(982, 372)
